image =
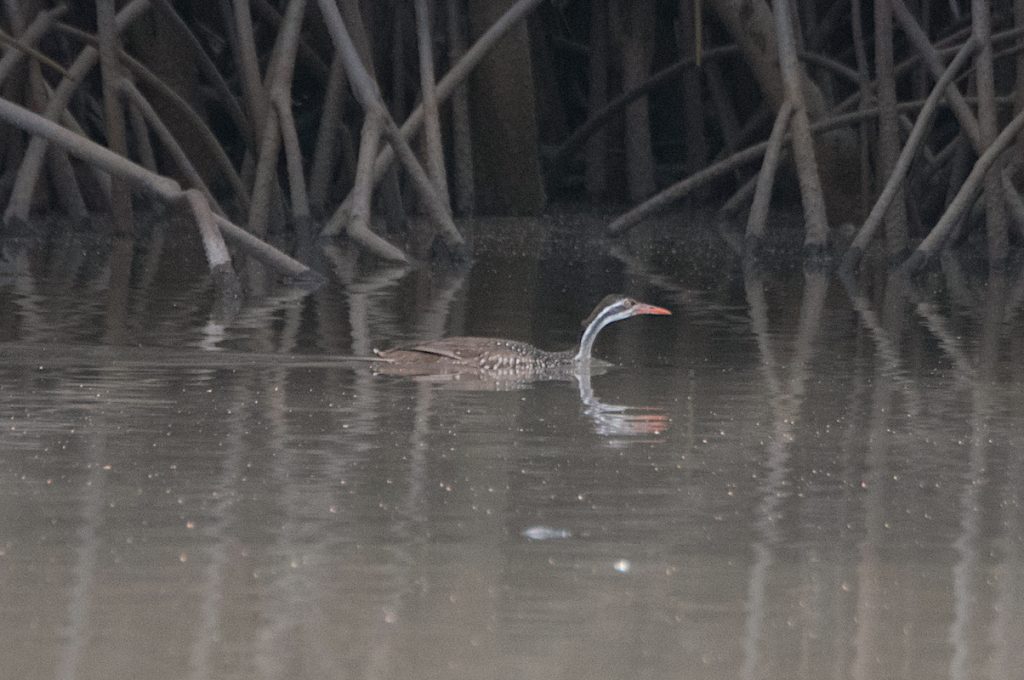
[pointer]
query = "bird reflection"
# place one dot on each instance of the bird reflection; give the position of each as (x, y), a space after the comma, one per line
(611, 420)
(608, 419)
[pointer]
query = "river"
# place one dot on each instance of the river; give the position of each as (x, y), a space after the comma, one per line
(792, 477)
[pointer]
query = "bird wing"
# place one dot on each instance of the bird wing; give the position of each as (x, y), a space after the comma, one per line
(454, 349)
(434, 349)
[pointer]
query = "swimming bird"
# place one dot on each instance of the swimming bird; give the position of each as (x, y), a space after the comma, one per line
(513, 357)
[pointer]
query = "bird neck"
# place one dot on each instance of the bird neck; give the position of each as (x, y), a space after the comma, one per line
(590, 334)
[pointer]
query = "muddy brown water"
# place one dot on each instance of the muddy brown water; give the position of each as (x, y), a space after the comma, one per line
(789, 478)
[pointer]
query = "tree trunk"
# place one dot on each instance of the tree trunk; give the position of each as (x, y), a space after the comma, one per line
(888, 129)
(158, 41)
(811, 195)
(637, 47)
(864, 86)
(758, 217)
(504, 118)
(113, 111)
(326, 151)
(367, 93)
(462, 143)
(688, 32)
(901, 167)
(595, 174)
(161, 187)
(431, 119)
(750, 24)
(995, 205)
(1018, 104)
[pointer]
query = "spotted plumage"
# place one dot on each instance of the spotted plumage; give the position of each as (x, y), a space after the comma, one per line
(512, 357)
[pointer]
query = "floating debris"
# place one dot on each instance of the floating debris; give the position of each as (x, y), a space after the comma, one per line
(543, 533)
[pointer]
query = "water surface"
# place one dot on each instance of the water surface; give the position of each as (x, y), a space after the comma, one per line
(790, 478)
